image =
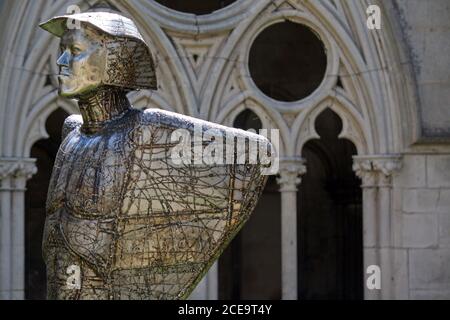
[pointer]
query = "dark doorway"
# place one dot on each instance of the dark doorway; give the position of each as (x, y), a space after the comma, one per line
(330, 251)
(45, 153)
(250, 267)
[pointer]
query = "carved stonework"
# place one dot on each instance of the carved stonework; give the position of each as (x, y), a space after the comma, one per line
(291, 171)
(200, 34)
(376, 170)
(17, 168)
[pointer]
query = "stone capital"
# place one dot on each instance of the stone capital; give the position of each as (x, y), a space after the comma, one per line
(291, 169)
(17, 168)
(376, 170)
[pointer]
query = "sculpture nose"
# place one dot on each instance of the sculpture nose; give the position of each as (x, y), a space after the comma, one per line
(63, 60)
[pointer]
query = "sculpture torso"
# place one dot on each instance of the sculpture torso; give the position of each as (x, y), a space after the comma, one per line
(138, 226)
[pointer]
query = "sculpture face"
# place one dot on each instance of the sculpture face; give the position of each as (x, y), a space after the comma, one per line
(82, 62)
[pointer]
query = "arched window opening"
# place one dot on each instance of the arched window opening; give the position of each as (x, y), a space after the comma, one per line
(330, 244)
(250, 266)
(287, 61)
(35, 197)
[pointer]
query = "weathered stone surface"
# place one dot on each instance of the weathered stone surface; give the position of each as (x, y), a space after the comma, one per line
(426, 25)
(444, 228)
(397, 196)
(394, 272)
(444, 201)
(415, 230)
(419, 200)
(430, 294)
(438, 173)
(429, 268)
(413, 173)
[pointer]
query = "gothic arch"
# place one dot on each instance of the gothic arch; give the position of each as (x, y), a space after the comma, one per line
(368, 62)
(269, 118)
(35, 122)
(353, 127)
(30, 72)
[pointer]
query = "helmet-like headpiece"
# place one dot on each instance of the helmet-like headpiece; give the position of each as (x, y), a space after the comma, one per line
(129, 63)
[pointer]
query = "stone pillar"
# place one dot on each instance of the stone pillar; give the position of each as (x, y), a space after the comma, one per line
(376, 174)
(208, 288)
(290, 171)
(14, 173)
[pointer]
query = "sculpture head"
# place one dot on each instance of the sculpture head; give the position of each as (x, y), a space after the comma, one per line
(82, 62)
(105, 50)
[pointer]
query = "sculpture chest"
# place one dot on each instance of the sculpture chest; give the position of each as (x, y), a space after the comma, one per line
(90, 174)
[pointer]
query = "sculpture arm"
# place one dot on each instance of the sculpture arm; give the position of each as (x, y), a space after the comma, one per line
(55, 193)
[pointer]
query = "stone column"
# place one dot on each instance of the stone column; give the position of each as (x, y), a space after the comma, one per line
(208, 288)
(290, 171)
(376, 174)
(14, 173)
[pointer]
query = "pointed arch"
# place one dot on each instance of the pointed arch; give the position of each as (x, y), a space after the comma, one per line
(383, 85)
(354, 127)
(25, 72)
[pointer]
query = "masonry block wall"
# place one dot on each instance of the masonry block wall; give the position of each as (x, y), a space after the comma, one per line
(421, 226)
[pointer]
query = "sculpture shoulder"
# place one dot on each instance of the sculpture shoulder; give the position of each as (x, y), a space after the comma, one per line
(172, 120)
(71, 123)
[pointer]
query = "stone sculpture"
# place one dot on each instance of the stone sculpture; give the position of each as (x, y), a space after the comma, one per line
(124, 220)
